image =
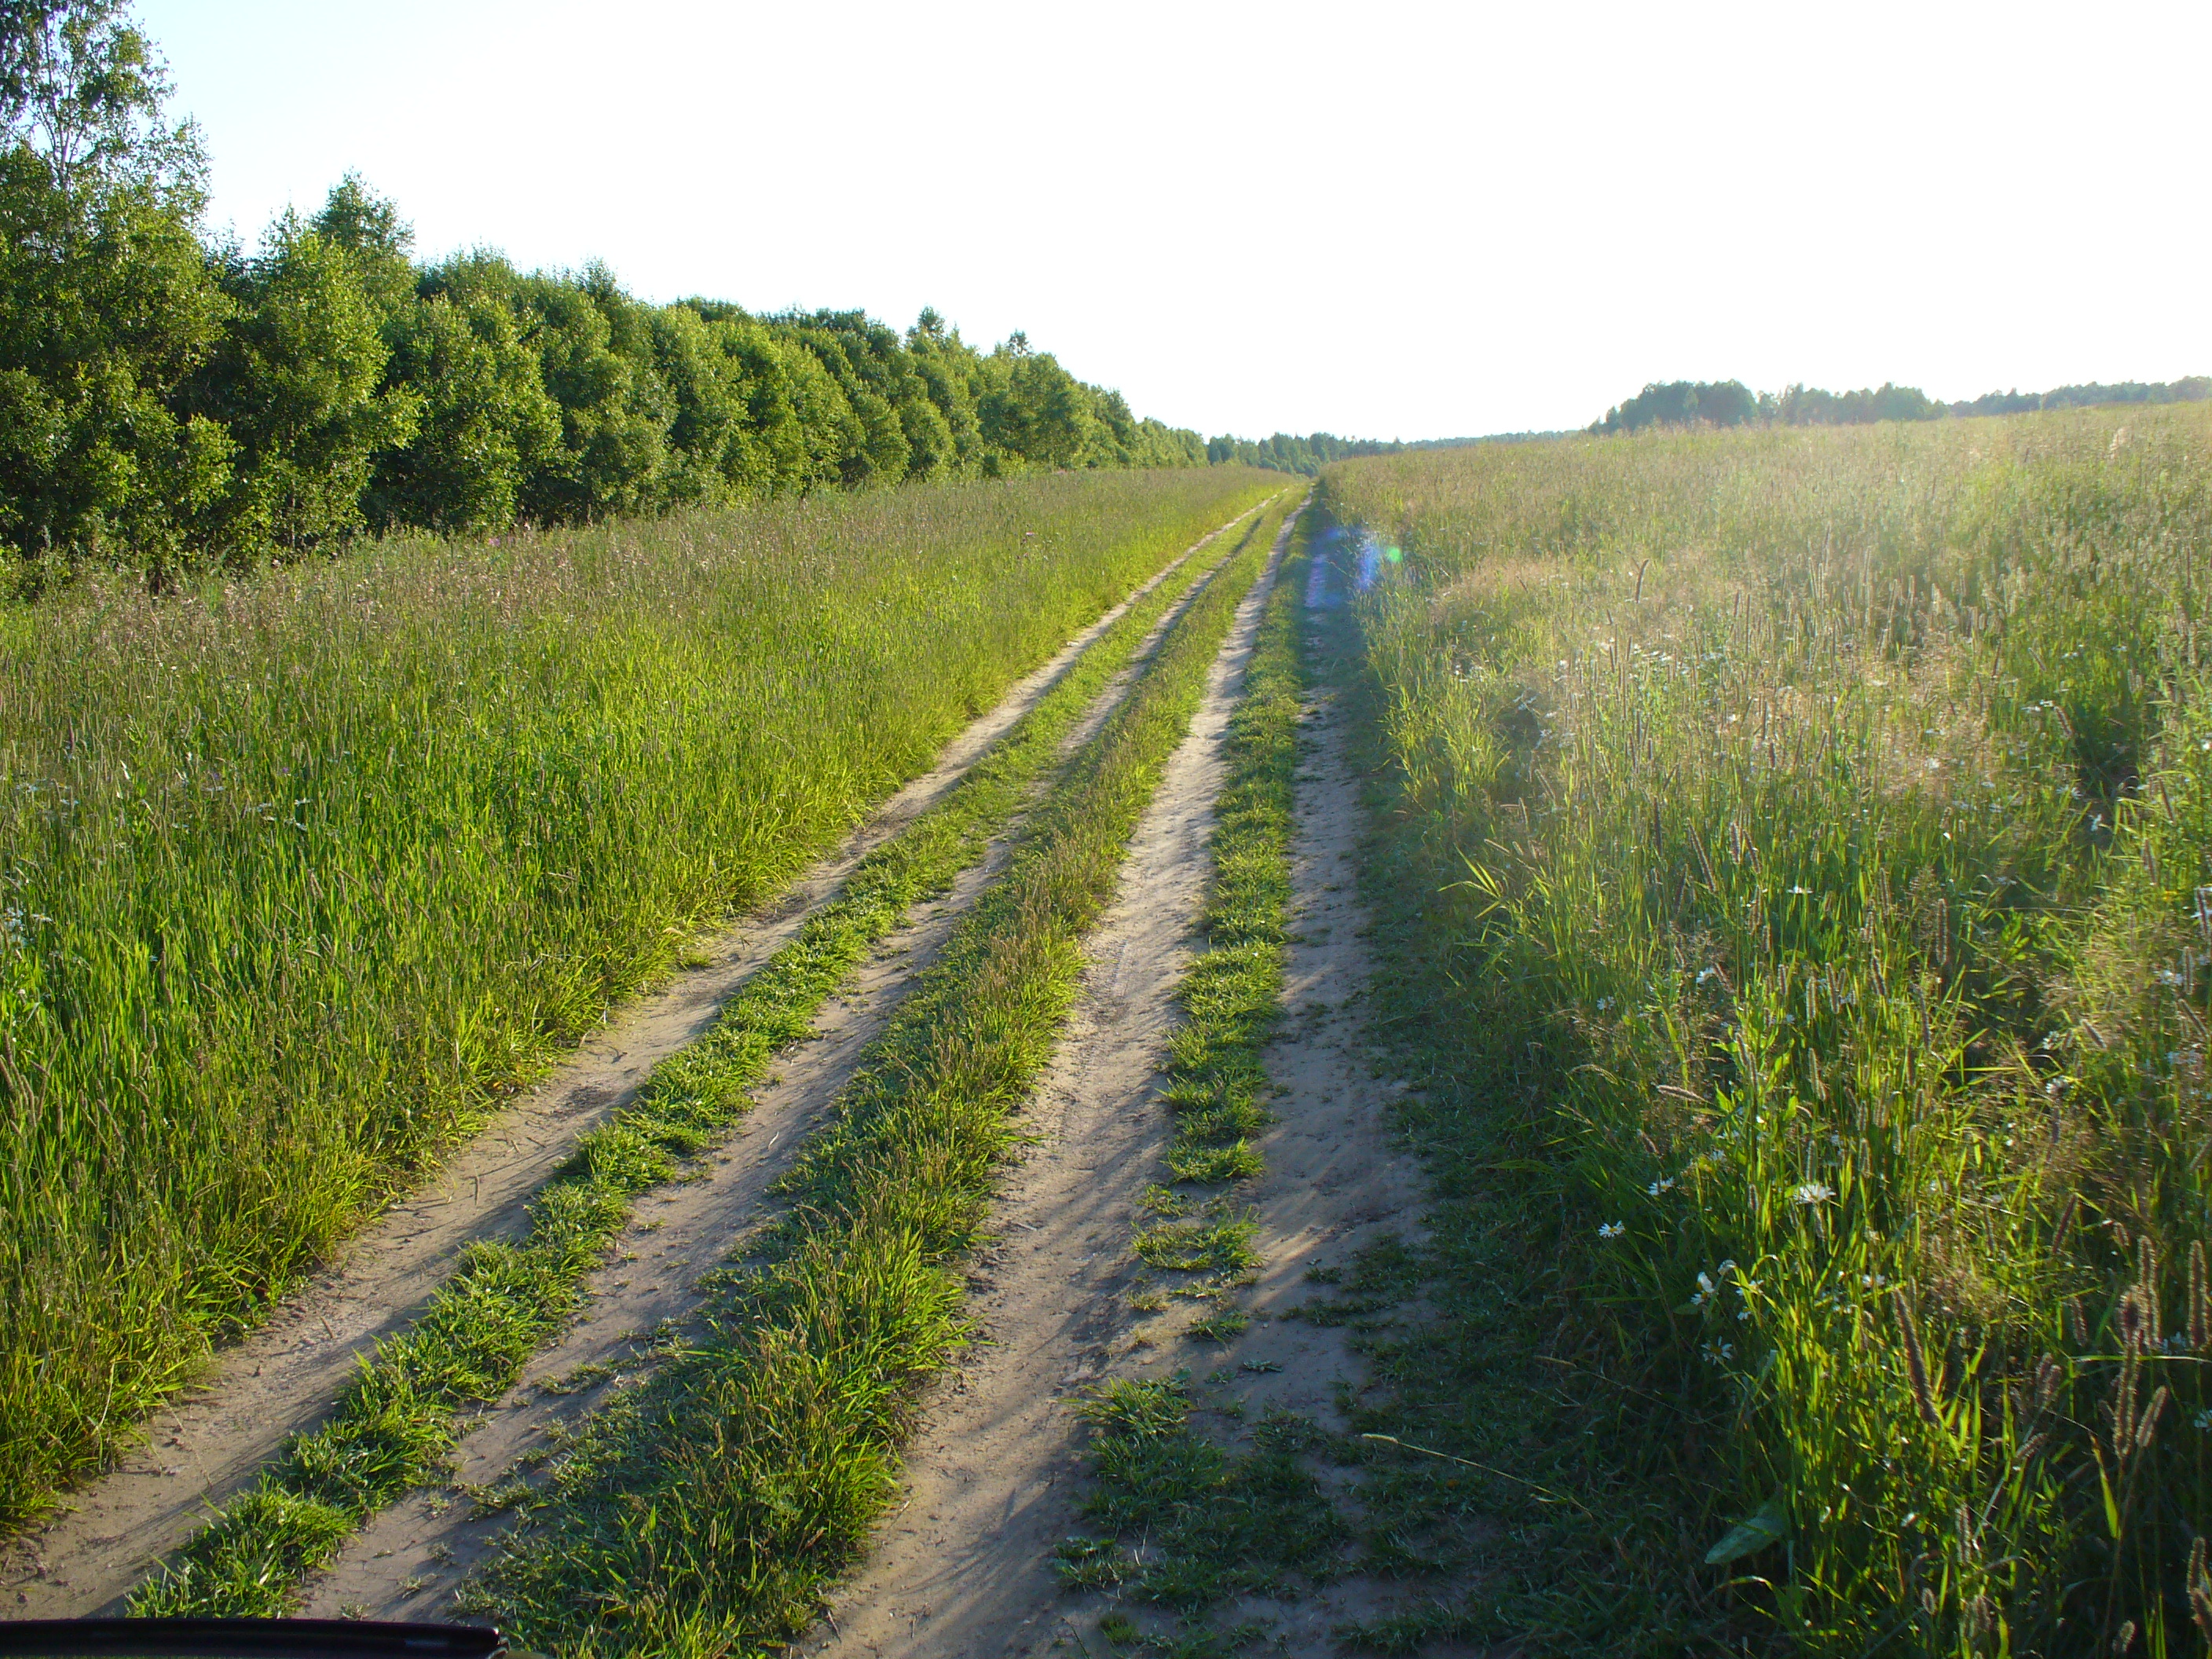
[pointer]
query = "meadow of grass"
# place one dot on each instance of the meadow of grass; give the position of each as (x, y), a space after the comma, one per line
(1796, 849)
(703, 1512)
(302, 873)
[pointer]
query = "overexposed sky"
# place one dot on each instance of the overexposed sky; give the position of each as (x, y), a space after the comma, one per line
(1378, 219)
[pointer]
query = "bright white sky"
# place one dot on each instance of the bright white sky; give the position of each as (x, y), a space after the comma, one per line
(1384, 219)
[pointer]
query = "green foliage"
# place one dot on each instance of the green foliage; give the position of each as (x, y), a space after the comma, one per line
(487, 424)
(1728, 403)
(1682, 403)
(298, 385)
(107, 307)
(1803, 835)
(2190, 389)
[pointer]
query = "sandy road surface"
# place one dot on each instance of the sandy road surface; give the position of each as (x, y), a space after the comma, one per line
(992, 1478)
(283, 1377)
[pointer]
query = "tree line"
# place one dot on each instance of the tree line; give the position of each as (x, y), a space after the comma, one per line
(173, 402)
(1287, 453)
(1730, 402)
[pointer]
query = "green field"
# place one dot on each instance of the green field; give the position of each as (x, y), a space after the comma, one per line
(304, 871)
(1796, 848)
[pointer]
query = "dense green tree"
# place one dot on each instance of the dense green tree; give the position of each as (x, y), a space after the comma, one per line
(2191, 389)
(380, 242)
(1683, 403)
(1035, 411)
(299, 384)
(486, 421)
(107, 305)
(592, 351)
(950, 372)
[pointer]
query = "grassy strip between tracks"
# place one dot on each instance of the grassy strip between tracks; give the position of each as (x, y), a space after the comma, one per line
(1216, 1081)
(702, 1514)
(1211, 1522)
(398, 1420)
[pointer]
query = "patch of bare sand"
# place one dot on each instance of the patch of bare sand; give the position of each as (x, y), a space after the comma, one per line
(282, 1378)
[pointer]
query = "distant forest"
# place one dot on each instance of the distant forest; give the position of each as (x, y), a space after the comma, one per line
(173, 402)
(1730, 402)
(1285, 453)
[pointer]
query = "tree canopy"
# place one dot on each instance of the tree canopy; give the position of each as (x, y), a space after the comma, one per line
(170, 402)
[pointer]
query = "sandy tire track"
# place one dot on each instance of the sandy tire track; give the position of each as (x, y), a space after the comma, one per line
(993, 1476)
(281, 1377)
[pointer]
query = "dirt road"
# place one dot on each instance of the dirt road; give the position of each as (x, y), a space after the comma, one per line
(283, 1376)
(965, 1567)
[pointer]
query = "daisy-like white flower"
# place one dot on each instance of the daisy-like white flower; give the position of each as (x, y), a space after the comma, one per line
(1810, 1192)
(1612, 1229)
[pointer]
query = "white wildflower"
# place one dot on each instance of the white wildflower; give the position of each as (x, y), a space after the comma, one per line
(1612, 1229)
(1810, 1192)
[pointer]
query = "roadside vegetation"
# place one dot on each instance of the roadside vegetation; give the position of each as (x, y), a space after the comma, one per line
(302, 872)
(1793, 850)
(704, 1511)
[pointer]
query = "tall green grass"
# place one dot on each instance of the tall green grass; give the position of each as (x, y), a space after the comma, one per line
(702, 1513)
(1807, 839)
(300, 873)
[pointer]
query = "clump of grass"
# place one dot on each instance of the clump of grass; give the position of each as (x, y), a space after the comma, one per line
(1792, 856)
(1213, 1524)
(1216, 1243)
(395, 1425)
(704, 1511)
(300, 873)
